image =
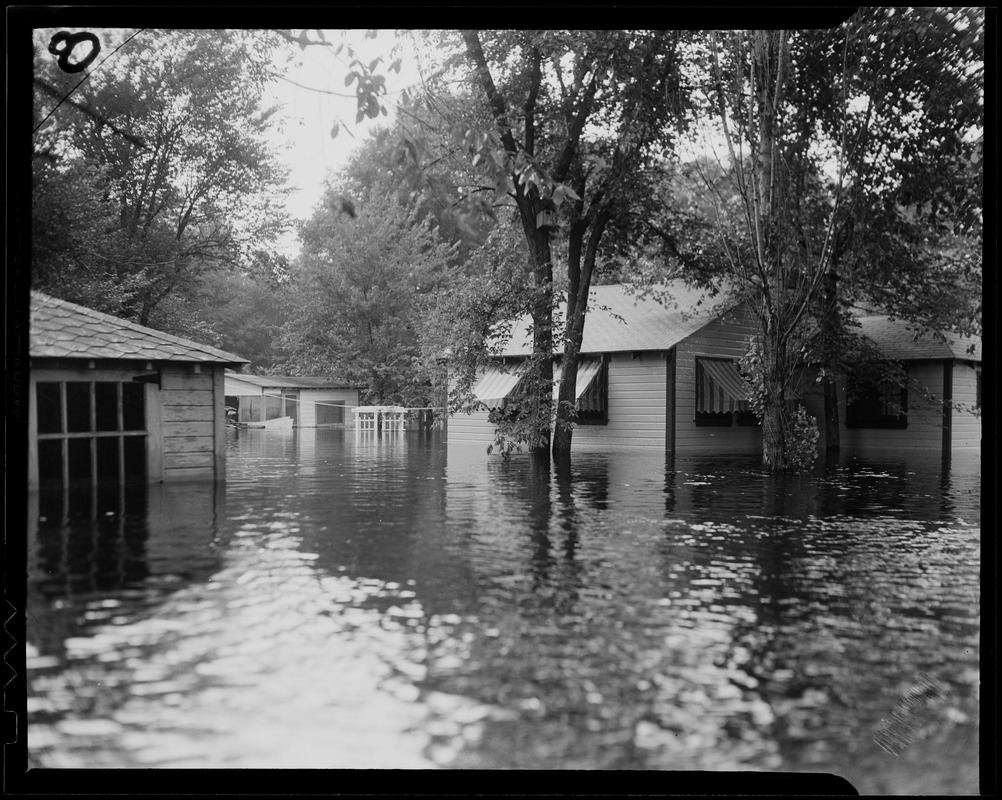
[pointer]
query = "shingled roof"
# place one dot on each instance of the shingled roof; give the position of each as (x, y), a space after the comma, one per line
(897, 339)
(620, 320)
(60, 329)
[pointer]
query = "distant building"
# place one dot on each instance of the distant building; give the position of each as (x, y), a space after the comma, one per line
(665, 376)
(305, 402)
(113, 401)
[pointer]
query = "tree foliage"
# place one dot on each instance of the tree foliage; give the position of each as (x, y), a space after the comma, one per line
(193, 185)
(847, 176)
(560, 127)
(357, 293)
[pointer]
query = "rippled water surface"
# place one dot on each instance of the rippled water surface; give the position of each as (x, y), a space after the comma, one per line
(352, 603)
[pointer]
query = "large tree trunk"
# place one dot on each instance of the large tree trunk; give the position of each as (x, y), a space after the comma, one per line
(829, 321)
(774, 417)
(542, 328)
(580, 268)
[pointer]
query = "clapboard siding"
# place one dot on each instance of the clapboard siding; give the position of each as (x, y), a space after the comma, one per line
(636, 405)
(193, 422)
(726, 337)
(966, 427)
(189, 428)
(472, 428)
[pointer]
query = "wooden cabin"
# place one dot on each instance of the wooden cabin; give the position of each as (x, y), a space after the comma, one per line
(664, 376)
(308, 402)
(936, 411)
(655, 376)
(113, 401)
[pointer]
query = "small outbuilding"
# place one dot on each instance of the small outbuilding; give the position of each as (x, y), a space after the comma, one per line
(306, 402)
(113, 401)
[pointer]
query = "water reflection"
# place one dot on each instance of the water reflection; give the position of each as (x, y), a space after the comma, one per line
(383, 602)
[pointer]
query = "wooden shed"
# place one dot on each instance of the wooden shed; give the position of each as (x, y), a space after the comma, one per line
(309, 402)
(113, 401)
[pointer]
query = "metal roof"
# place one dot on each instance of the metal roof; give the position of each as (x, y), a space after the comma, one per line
(291, 382)
(621, 320)
(61, 329)
(900, 340)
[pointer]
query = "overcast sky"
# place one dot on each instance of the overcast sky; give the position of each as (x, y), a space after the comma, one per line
(310, 115)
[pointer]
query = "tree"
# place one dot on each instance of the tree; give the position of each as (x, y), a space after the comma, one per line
(564, 124)
(356, 291)
(192, 184)
(821, 131)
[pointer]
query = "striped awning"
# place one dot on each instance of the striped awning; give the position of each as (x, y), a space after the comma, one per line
(722, 388)
(588, 369)
(494, 386)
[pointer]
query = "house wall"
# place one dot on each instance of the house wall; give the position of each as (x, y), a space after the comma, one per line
(308, 398)
(966, 426)
(193, 421)
(925, 415)
(727, 337)
(637, 390)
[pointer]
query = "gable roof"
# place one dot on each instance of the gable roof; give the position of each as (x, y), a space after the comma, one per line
(291, 382)
(60, 329)
(620, 320)
(897, 339)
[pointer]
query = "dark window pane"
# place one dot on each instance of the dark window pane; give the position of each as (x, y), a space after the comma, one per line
(135, 459)
(133, 406)
(79, 459)
(49, 408)
(78, 407)
(107, 459)
(50, 461)
(330, 412)
(106, 406)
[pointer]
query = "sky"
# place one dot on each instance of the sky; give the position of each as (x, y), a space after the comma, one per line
(310, 115)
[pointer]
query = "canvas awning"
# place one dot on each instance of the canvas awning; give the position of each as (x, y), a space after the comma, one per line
(494, 386)
(588, 369)
(723, 387)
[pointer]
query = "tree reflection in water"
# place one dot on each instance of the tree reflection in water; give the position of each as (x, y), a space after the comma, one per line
(612, 612)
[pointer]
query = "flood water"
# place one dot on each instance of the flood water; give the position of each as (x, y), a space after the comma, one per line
(345, 602)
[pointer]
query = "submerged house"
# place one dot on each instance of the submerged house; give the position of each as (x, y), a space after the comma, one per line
(113, 401)
(304, 402)
(651, 375)
(937, 410)
(664, 376)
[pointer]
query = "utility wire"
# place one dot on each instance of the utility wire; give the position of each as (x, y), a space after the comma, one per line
(85, 77)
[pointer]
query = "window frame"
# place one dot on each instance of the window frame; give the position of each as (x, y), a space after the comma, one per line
(863, 413)
(737, 418)
(73, 435)
(600, 386)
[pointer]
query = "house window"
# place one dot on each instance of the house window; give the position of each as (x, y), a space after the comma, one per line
(249, 408)
(593, 402)
(330, 412)
(90, 432)
(882, 404)
(721, 394)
